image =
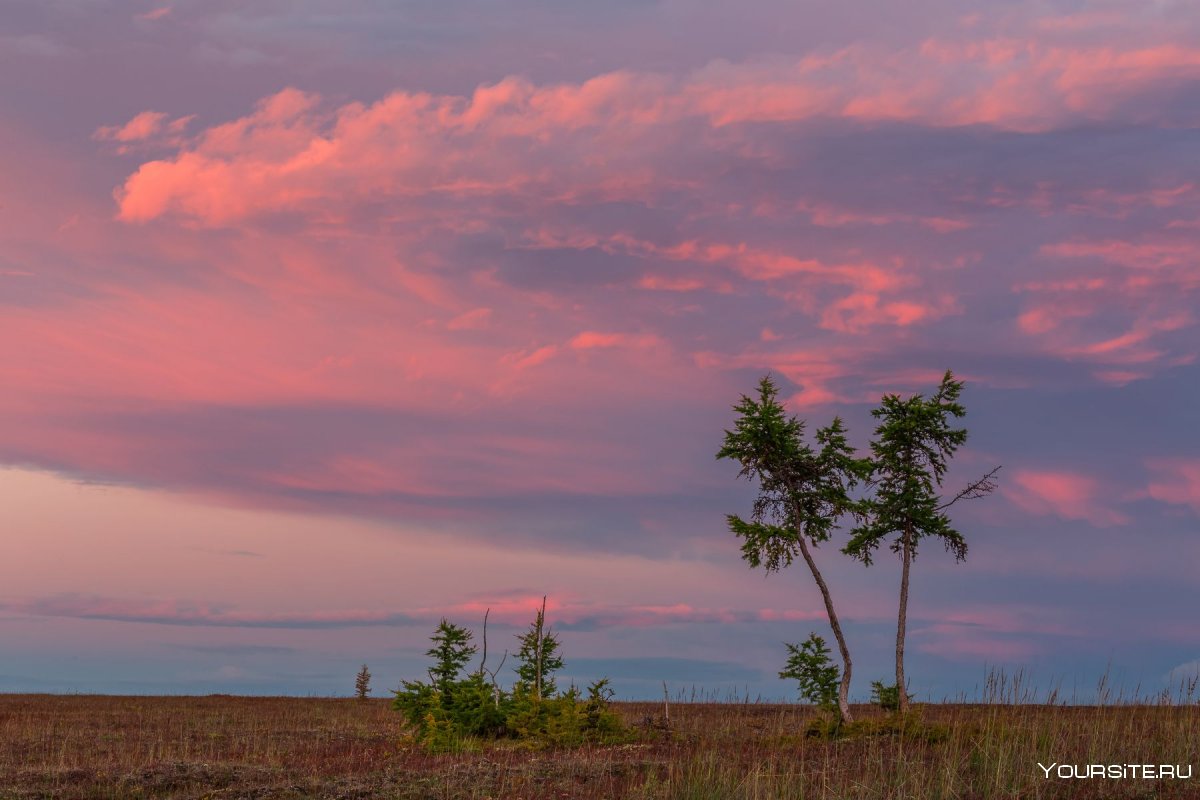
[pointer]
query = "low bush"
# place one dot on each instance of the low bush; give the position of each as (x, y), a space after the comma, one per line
(453, 712)
(885, 696)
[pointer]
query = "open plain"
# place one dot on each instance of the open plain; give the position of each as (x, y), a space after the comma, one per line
(87, 747)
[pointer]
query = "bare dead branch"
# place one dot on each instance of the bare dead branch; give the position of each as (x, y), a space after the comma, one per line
(980, 488)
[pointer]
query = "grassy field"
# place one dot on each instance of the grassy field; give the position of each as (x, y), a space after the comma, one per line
(79, 746)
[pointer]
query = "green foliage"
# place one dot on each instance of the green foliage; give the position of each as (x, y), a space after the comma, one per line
(450, 707)
(538, 658)
(439, 735)
(452, 712)
(362, 683)
(418, 701)
(451, 652)
(809, 664)
(886, 696)
(910, 451)
(567, 719)
(802, 491)
(598, 717)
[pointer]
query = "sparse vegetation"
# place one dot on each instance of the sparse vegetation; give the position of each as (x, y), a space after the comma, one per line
(109, 748)
(453, 713)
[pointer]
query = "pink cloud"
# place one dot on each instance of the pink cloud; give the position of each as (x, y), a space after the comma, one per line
(944, 224)
(176, 613)
(589, 340)
(566, 608)
(1175, 481)
(861, 311)
(291, 154)
(873, 304)
(141, 126)
(1120, 204)
(1063, 494)
(827, 215)
(996, 634)
(967, 645)
(1098, 280)
(474, 319)
(1146, 255)
(422, 315)
(524, 359)
(511, 608)
(817, 371)
(342, 242)
(670, 284)
(155, 14)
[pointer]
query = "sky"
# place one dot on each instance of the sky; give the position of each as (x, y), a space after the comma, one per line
(322, 320)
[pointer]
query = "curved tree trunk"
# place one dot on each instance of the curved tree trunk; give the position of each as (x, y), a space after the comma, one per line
(844, 687)
(906, 556)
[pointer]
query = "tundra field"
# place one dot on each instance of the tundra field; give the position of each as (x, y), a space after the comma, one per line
(217, 746)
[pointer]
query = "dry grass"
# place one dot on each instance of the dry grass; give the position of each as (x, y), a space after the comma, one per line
(76, 746)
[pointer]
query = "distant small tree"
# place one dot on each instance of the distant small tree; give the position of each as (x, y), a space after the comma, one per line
(362, 683)
(912, 446)
(802, 494)
(809, 665)
(538, 657)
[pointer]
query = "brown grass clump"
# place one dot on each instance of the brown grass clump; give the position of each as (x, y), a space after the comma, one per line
(82, 747)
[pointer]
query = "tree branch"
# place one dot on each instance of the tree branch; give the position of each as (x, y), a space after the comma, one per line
(980, 488)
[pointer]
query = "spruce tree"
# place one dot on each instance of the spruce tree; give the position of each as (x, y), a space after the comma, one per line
(451, 651)
(362, 683)
(802, 494)
(909, 455)
(538, 657)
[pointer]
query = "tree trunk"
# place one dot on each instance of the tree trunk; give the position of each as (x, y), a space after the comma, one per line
(906, 556)
(541, 617)
(844, 687)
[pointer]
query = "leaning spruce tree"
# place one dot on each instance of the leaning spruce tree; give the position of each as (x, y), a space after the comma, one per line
(912, 445)
(802, 494)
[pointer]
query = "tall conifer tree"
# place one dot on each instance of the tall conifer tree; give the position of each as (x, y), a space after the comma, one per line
(802, 493)
(912, 446)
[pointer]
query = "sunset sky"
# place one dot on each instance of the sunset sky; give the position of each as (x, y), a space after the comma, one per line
(321, 320)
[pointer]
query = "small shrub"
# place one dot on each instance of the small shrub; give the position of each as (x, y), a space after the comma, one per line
(885, 696)
(598, 717)
(567, 719)
(810, 666)
(452, 712)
